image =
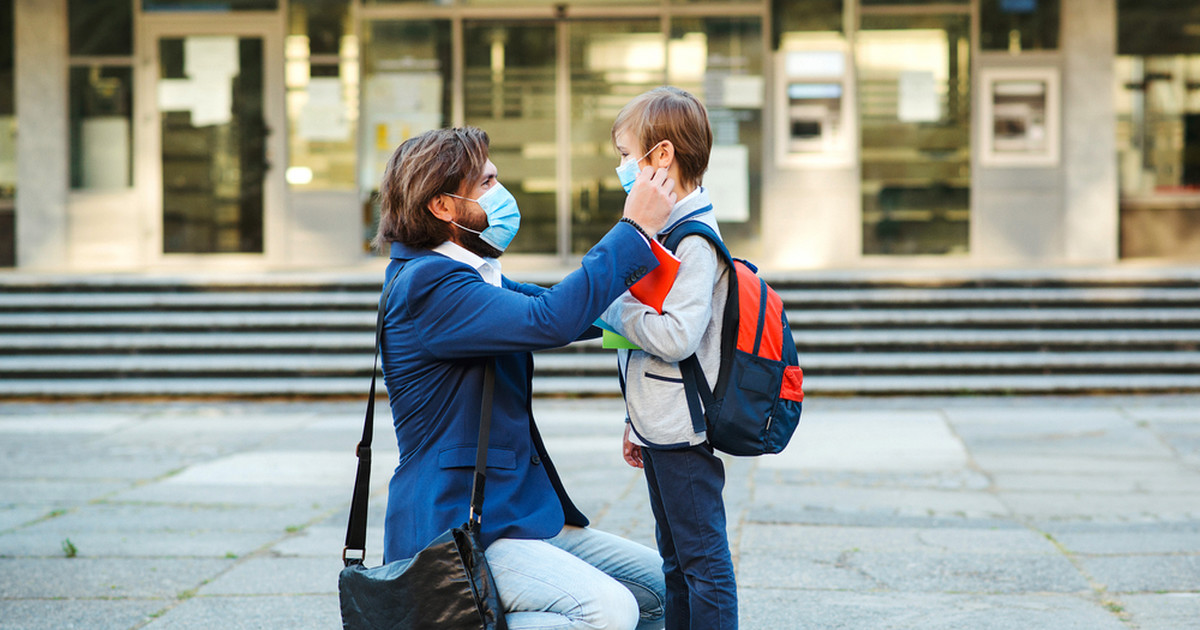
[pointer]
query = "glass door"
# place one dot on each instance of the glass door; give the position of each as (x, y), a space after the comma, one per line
(611, 61)
(914, 100)
(215, 93)
(510, 91)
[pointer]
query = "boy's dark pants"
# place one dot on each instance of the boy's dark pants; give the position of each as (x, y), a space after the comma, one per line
(685, 495)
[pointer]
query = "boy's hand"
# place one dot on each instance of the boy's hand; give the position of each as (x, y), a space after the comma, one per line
(650, 201)
(632, 452)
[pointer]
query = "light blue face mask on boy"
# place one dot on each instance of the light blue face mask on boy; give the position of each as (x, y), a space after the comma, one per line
(503, 216)
(628, 171)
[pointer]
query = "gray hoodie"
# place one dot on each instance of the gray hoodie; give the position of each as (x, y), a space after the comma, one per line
(654, 398)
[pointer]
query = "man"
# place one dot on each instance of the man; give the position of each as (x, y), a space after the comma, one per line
(446, 220)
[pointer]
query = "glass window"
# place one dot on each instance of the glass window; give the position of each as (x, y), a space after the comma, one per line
(807, 15)
(1016, 25)
(870, 3)
(720, 60)
(210, 5)
(1158, 141)
(1157, 27)
(509, 81)
(101, 27)
(914, 100)
(101, 94)
(407, 82)
(611, 62)
(101, 117)
(8, 139)
(322, 95)
(1158, 128)
(213, 147)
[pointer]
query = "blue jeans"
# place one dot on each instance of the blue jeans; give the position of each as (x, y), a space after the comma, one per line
(689, 514)
(580, 579)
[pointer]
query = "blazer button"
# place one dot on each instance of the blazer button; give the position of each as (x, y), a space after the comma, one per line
(535, 460)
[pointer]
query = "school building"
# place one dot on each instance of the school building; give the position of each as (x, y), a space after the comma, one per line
(195, 135)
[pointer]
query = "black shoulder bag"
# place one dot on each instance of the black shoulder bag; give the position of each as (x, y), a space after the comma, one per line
(447, 585)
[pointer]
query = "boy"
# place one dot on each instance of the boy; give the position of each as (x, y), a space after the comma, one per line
(668, 128)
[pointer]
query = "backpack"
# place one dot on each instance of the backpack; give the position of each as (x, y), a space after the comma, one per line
(755, 406)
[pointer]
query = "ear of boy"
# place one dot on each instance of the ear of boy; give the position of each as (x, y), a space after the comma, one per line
(664, 157)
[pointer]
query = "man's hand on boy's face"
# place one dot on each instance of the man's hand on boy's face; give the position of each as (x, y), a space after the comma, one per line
(651, 200)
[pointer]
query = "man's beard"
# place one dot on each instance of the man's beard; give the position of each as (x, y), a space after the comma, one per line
(469, 240)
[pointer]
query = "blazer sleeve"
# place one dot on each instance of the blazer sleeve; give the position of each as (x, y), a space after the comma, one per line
(457, 315)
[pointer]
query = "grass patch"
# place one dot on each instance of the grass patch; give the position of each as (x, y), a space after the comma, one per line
(69, 548)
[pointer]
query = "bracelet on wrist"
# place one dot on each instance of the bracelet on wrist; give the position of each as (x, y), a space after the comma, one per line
(637, 227)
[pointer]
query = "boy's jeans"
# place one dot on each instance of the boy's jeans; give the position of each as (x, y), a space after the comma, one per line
(580, 579)
(689, 514)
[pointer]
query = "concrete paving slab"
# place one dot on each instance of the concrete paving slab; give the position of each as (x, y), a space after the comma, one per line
(812, 610)
(1099, 484)
(1163, 611)
(871, 441)
(935, 480)
(319, 498)
(60, 423)
(326, 542)
(1089, 506)
(123, 518)
(1019, 462)
(74, 578)
(276, 468)
(294, 612)
(1062, 434)
(1185, 414)
(877, 538)
(53, 493)
(938, 560)
(1139, 542)
(782, 539)
(12, 516)
(900, 502)
(79, 614)
(279, 576)
(135, 544)
(1145, 573)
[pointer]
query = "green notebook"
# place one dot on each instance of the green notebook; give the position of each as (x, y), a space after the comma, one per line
(613, 341)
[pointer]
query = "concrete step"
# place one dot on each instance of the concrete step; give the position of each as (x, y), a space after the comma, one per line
(364, 320)
(806, 341)
(794, 298)
(600, 363)
(596, 386)
(858, 332)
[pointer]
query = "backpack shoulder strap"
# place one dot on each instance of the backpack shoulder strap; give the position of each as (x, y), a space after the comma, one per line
(689, 228)
(700, 397)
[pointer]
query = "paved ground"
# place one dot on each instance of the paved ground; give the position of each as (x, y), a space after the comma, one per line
(996, 513)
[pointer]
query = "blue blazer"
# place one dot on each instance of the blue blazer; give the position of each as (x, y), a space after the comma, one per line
(442, 323)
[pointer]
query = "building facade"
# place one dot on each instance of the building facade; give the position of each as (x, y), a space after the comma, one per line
(251, 134)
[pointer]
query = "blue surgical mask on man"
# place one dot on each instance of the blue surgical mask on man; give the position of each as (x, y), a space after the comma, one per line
(628, 171)
(503, 216)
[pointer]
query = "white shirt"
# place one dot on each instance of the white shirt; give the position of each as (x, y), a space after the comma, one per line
(488, 268)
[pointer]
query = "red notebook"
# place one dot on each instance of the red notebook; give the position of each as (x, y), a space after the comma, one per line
(652, 289)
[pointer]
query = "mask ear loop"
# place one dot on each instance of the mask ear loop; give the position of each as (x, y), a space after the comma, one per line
(457, 224)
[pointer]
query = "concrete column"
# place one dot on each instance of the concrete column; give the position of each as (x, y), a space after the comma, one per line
(43, 159)
(1089, 45)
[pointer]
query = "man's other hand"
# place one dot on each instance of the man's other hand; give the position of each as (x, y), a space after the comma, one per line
(651, 200)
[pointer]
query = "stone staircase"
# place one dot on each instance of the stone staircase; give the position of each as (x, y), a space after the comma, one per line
(1120, 329)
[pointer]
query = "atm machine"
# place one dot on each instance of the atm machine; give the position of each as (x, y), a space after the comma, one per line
(813, 125)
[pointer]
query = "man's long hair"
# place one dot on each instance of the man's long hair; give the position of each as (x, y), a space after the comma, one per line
(423, 167)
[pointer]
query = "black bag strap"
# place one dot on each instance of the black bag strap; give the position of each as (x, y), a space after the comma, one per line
(356, 526)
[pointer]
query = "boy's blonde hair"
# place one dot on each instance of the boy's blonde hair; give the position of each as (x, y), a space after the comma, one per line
(669, 113)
